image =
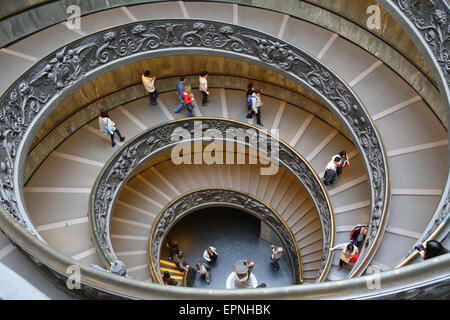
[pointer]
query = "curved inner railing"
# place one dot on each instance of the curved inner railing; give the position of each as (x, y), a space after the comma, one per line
(165, 137)
(219, 197)
(25, 105)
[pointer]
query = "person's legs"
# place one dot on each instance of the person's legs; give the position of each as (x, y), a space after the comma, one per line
(258, 118)
(276, 265)
(118, 133)
(112, 140)
(251, 114)
(332, 174)
(190, 108)
(205, 97)
(326, 177)
(207, 277)
(153, 97)
(180, 106)
(338, 170)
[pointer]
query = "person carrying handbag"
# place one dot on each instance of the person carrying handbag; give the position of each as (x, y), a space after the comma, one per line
(107, 126)
(349, 253)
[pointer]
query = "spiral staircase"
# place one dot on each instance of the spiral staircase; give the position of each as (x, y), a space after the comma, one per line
(405, 98)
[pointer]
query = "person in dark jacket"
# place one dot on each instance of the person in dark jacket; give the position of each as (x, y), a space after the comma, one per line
(277, 253)
(168, 280)
(174, 249)
(358, 235)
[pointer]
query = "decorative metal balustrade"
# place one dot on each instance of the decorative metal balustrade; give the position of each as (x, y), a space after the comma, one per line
(25, 105)
(221, 197)
(27, 98)
(137, 152)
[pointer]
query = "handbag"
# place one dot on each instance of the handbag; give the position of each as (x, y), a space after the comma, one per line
(354, 257)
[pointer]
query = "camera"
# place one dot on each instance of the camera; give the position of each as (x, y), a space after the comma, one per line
(419, 247)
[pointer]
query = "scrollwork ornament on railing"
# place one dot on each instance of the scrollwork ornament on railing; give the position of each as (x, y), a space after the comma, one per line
(214, 197)
(36, 90)
(156, 141)
(432, 20)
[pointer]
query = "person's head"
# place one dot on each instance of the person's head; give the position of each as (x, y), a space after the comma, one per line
(433, 249)
(166, 275)
(173, 242)
(257, 93)
(280, 250)
(183, 79)
(147, 73)
(251, 86)
(263, 285)
(251, 264)
(187, 88)
(364, 230)
(349, 248)
(104, 113)
(343, 154)
(337, 159)
(209, 250)
(180, 254)
(199, 265)
(204, 74)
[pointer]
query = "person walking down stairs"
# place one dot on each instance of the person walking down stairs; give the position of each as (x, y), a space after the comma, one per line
(256, 107)
(248, 97)
(330, 171)
(188, 97)
(203, 79)
(149, 84)
(203, 271)
(168, 280)
(107, 126)
(210, 255)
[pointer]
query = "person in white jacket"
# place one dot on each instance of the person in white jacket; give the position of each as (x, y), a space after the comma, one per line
(256, 107)
(348, 251)
(107, 126)
(210, 254)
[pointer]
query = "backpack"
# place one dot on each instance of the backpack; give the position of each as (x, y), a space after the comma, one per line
(249, 100)
(354, 230)
(106, 128)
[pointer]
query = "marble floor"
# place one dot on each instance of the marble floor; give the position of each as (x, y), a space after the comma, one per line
(235, 235)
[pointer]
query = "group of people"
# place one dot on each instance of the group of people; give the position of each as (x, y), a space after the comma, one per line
(184, 93)
(177, 256)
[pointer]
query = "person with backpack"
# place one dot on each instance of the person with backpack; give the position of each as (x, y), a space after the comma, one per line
(149, 84)
(256, 107)
(349, 253)
(250, 91)
(203, 80)
(358, 234)
(107, 126)
(173, 247)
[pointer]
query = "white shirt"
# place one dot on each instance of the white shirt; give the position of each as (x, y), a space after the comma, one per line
(206, 256)
(256, 103)
(343, 246)
(202, 270)
(203, 83)
(331, 165)
(109, 122)
(343, 161)
(148, 83)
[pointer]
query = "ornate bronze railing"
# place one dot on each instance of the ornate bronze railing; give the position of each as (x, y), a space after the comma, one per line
(222, 197)
(135, 154)
(26, 104)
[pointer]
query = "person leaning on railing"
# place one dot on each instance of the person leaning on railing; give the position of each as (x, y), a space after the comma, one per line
(430, 249)
(349, 253)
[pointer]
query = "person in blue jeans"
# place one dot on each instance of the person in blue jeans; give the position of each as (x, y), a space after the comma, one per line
(180, 89)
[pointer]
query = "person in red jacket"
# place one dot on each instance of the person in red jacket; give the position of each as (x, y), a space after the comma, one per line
(188, 97)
